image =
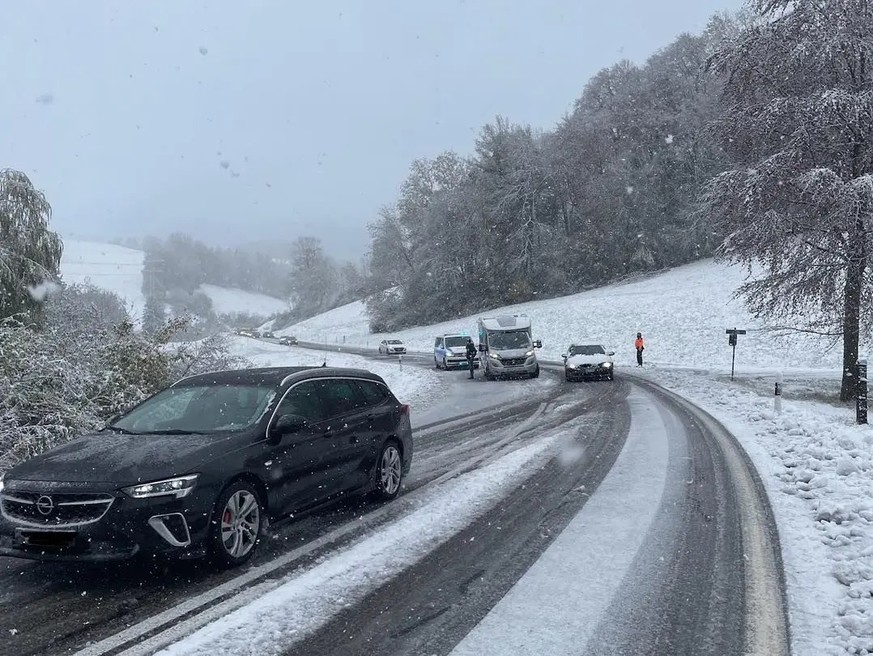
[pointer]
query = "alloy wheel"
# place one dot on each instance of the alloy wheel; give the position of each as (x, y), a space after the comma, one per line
(390, 470)
(240, 524)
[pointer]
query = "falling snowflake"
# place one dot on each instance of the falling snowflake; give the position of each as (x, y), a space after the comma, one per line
(629, 189)
(204, 51)
(669, 138)
(39, 292)
(45, 99)
(225, 164)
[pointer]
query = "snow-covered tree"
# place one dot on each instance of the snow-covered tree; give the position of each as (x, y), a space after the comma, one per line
(30, 253)
(799, 198)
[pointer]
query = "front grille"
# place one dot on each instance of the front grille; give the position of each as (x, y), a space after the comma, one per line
(513, 362)
(36, 509)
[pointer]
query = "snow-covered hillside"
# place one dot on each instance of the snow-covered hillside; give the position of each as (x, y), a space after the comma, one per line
(682, 313)
(119, 270)
(236, 301)
(114, 268)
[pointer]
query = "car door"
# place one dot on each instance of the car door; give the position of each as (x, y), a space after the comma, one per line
(438, 350)
(293, 469)
(344, 444)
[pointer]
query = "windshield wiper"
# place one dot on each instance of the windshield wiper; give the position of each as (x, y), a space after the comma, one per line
(172, 431)
(118, 429)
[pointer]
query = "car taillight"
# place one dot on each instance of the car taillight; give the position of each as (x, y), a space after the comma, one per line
(404, 409)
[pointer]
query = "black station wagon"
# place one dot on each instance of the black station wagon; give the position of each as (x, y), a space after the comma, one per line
(199, 468)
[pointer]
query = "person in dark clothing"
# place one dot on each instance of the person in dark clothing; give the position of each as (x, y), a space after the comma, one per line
(471, 355)
(640, 346)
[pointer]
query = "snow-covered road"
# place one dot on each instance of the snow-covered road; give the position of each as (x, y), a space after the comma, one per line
(611, 503)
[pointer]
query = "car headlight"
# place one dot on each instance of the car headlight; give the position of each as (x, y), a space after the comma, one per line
(494, 356)
(176, 487)
(529, 353)
(571, 366)
(606, 365)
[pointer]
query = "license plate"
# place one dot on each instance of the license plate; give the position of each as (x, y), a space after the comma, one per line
(50, 539)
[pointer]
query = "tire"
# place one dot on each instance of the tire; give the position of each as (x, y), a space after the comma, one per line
(236, 525)
(568, 377)
(389, 472)
(536, 374)
(488, 374)
(445, 364)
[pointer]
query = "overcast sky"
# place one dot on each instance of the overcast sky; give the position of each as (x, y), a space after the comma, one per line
(240, 121)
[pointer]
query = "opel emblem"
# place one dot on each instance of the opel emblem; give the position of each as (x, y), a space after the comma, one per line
(45, 505)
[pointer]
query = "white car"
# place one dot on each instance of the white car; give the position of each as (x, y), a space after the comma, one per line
(588, 361)
(391, 347)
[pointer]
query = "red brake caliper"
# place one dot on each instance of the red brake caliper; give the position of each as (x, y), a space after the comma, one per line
(227, 516)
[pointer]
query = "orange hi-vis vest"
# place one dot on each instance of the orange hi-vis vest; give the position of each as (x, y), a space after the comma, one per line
(639, 343)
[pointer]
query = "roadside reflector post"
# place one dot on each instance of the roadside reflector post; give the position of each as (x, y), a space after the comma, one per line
(861, 392)
(777, 394)
(400, 360)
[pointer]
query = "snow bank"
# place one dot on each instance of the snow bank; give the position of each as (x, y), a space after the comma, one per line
(234, 301)
(682, 313)
(817, 467)
(113, 268)
(412, 385)
(309, 599)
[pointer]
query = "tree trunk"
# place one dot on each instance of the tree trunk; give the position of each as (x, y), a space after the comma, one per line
(851, 327)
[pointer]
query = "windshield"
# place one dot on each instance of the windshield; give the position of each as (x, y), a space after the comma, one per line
(198, 409)
(394, 341)
(455, 342)
(587, 349)
(509, 341)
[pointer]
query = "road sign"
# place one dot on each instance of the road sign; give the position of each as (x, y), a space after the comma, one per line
(732, 342)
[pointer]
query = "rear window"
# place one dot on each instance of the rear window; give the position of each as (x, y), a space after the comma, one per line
(340, 396)
(374, 393)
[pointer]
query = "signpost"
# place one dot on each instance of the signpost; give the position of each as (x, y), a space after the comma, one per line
(732, 341)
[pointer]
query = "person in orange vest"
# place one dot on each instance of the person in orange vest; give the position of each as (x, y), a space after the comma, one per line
(640, 346)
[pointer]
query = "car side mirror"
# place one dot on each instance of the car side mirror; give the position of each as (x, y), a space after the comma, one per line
(564, 356)
(537, 344)
(611, 353)
(482, 348)
(286, 425)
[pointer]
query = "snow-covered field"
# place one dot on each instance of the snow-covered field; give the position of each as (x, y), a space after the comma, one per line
(412, 385)
(119, 270)
(235, 301)
(682, 313)
(114, 268)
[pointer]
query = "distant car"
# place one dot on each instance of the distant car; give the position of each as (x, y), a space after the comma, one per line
(288, 340)
(450, 351)
(256, 334)
(244, 332)
(588, 361)
(268, 335)
(200, 468)
(391, 347)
